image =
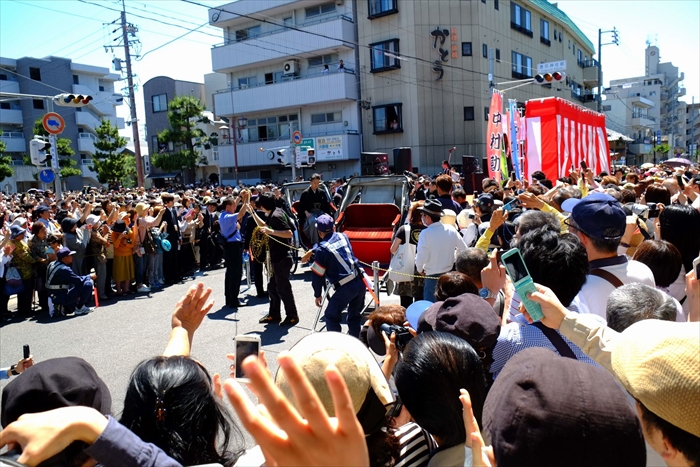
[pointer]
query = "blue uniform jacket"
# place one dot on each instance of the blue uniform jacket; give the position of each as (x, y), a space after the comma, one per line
(334, 261)
(63, 276)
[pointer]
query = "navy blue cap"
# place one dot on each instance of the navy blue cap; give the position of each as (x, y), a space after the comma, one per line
(485, 200)
(324, 223)
(597, 215)
(63, 252)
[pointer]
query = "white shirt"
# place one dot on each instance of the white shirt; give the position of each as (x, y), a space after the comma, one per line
(437, 246)
(593, 296)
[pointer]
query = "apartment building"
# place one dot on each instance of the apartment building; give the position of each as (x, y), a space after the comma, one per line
(692, 130)
(49, 76)
(647, 108)
(282, 60)
(425, 65)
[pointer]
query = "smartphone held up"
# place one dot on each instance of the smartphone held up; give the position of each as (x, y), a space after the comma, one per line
(245, 347)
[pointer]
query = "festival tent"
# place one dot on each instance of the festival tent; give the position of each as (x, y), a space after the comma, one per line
(561, 134)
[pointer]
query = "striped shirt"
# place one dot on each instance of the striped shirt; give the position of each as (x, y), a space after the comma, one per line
(416, 445)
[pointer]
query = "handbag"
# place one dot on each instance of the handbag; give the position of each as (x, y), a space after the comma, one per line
(402, 264)
(13, 277)
(149, 245)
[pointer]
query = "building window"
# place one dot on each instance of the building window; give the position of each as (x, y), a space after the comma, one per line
(5, 105)
(3, 77)
(35, 74)
(378, 8)
(38, 104)
(289, 21)
(320, 9)
(522, 66)
(248, 33)
(321, 60)
(485, 50)
(387, 119)
(495, 4)
(468, 114)
(155, 146)
(380, 60)
(579, 57)
(270, 128)
(520, 19)
(76, 79)
(160, 103)
(486, 114)
(466, 49)
(249, 82)
(331, 117)
(544, 32)
(498, 55)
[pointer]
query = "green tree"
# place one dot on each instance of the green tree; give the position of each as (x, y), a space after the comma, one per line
(65, 152)
(109, 161)
(6, 169)
(129, 180)
(184, 113)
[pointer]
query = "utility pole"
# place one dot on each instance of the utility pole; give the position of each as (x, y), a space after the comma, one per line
(616, 41)
(132, 98)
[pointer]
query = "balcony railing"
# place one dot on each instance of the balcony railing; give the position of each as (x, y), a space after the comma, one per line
(519, 28)
(589, 63)
(285, 27)
(583, 97)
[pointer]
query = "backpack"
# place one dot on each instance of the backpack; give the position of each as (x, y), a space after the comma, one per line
(149, 245)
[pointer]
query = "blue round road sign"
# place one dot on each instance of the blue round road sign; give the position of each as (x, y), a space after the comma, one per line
(296, 137)
(47, 175)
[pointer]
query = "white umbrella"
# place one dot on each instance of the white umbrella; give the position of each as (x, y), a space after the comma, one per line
(648, 165)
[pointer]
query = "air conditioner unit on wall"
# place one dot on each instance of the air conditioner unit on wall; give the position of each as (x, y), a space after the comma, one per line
(291, 67)
(339, 2)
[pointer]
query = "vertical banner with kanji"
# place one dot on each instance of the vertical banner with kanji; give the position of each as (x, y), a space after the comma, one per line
(514, 130)
(494, 135)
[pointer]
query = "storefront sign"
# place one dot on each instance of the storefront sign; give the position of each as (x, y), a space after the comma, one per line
(329, 148)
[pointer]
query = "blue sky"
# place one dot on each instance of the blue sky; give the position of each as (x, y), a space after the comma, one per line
(75, 30)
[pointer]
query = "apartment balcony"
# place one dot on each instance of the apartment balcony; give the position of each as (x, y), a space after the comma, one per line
(270, 47)
(86, 142)
(643, 121)
(229, 15)
(641, 102)
(25, 173)
(11, 117)
(103, 102)
(14, 141)
(681, 92)
(347, 147)
(583, 97)
(590, 73)
(89, 121)
(308, 90)
(640, 148)
(85, 169)
(9, 86)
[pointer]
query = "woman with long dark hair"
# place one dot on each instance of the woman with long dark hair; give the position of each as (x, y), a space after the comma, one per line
(171, 403)
(680, 225)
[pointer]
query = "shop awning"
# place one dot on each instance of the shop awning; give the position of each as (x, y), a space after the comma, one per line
(166, 175)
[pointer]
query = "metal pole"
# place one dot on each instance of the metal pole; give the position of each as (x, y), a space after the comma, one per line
(600, 71)
(132, 101)
(55, 167)
(234, 127)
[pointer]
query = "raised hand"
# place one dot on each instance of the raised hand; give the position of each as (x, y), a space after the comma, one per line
(306, 437)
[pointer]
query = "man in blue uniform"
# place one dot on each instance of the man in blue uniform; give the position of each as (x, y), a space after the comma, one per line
(71, 291)
(336, 262)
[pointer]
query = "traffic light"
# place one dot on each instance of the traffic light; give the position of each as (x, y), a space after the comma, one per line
(72, 100)
(550, 78)
(38, 149)
(282, 159)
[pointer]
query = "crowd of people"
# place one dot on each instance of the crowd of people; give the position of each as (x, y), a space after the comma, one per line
(608, 376)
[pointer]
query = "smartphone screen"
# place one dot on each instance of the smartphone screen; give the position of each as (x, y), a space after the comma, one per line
(244, 349)
(679, 179)
(512, 176)
(25, 349)
(516, 267)
(583, 165)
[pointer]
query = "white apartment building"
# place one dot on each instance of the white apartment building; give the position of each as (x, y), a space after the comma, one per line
(692, 130)
(281, 59)
(43, 76)
(647, 108)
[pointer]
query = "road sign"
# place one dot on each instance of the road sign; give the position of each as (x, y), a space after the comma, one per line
(47, 176)
(658, 137)
(296, 137)
(53, 123)
(551, 66)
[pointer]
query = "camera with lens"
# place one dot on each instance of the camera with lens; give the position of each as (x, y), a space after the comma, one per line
(640, 210)
(403, 336)
(653, 210)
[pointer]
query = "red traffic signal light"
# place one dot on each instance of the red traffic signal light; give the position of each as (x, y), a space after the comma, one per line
(72, 100)
(549, 78)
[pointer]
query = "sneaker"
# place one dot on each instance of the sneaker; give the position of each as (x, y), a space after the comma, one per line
(143, 289)
(268, 319)
(82, 311)
(290, 321)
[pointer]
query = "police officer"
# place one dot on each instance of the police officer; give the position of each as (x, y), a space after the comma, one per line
(335, 261)
(71, 291)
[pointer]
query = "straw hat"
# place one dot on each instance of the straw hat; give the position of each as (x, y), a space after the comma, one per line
(658, 362)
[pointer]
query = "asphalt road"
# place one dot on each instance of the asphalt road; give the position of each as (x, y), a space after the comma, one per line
(120, 334)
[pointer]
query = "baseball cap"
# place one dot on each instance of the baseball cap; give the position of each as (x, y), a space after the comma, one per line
(52, 384)
(597, 215)
(544, 409)
(63, 252)
(368, 388)
(658, 362)
(41, 209)
(470, 317)
(16, 231)
(485, 200)
(68, 223)
(324, 223)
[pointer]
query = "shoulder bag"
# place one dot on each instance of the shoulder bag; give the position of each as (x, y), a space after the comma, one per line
(402, 265)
